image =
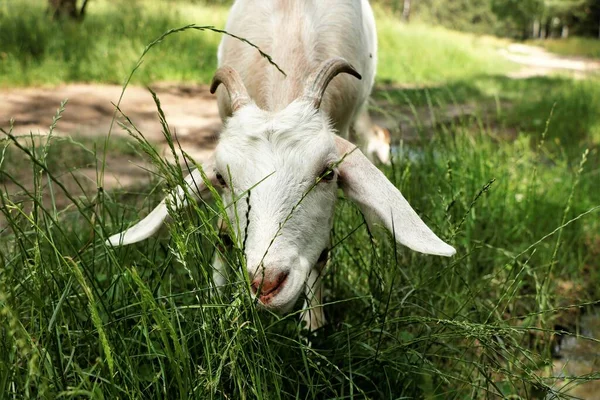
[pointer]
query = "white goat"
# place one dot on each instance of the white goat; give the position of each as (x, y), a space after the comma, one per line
(279, 140)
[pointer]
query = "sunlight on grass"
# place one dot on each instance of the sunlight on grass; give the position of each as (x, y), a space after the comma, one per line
(38, 51)
(424, 54)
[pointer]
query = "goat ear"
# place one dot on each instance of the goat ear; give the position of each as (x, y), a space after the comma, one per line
(151, 224)
(362, 182)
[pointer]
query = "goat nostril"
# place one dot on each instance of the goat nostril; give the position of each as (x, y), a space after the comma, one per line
(268, 286)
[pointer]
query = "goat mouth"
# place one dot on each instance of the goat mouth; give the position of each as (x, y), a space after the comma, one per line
(265, 297)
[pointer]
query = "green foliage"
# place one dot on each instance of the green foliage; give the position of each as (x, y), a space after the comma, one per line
(507, 18)
(566, 8)
(463, 15)
(519, 14)
(105, 46)
(417, 53)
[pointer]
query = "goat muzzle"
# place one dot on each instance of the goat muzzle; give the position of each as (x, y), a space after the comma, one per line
(267, 288)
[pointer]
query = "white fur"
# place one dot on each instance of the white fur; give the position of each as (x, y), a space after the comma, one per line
(290, 214)
(299, 35)
(276, 148)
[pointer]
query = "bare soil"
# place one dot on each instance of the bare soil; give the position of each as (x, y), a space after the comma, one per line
(539, 62)
(190, 110)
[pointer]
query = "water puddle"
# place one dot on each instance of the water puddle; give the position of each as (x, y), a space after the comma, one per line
(578, 356)
(412, 153)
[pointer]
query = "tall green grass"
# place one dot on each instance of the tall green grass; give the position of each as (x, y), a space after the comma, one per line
(34, 50)
(425, 54)
(83, 319)
(512, 106)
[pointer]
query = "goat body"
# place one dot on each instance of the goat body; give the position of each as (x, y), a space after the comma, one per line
(300, 36)
(280, 158)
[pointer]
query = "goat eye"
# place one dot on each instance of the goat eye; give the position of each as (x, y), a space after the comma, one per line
(327, 175)
(221, 180)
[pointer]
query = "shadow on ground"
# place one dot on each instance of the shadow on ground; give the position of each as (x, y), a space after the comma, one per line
(571, 108)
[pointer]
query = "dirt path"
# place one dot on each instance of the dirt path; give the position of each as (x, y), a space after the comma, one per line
(191, 112)
(539, 62)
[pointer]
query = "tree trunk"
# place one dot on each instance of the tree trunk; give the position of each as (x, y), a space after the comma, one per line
(536, 29)
(67, 9)
(406, 10)
(63, 8)
(545, 30)
(565, 32)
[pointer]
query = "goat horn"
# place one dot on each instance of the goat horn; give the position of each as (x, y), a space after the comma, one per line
(318, 81)
(234, 85)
